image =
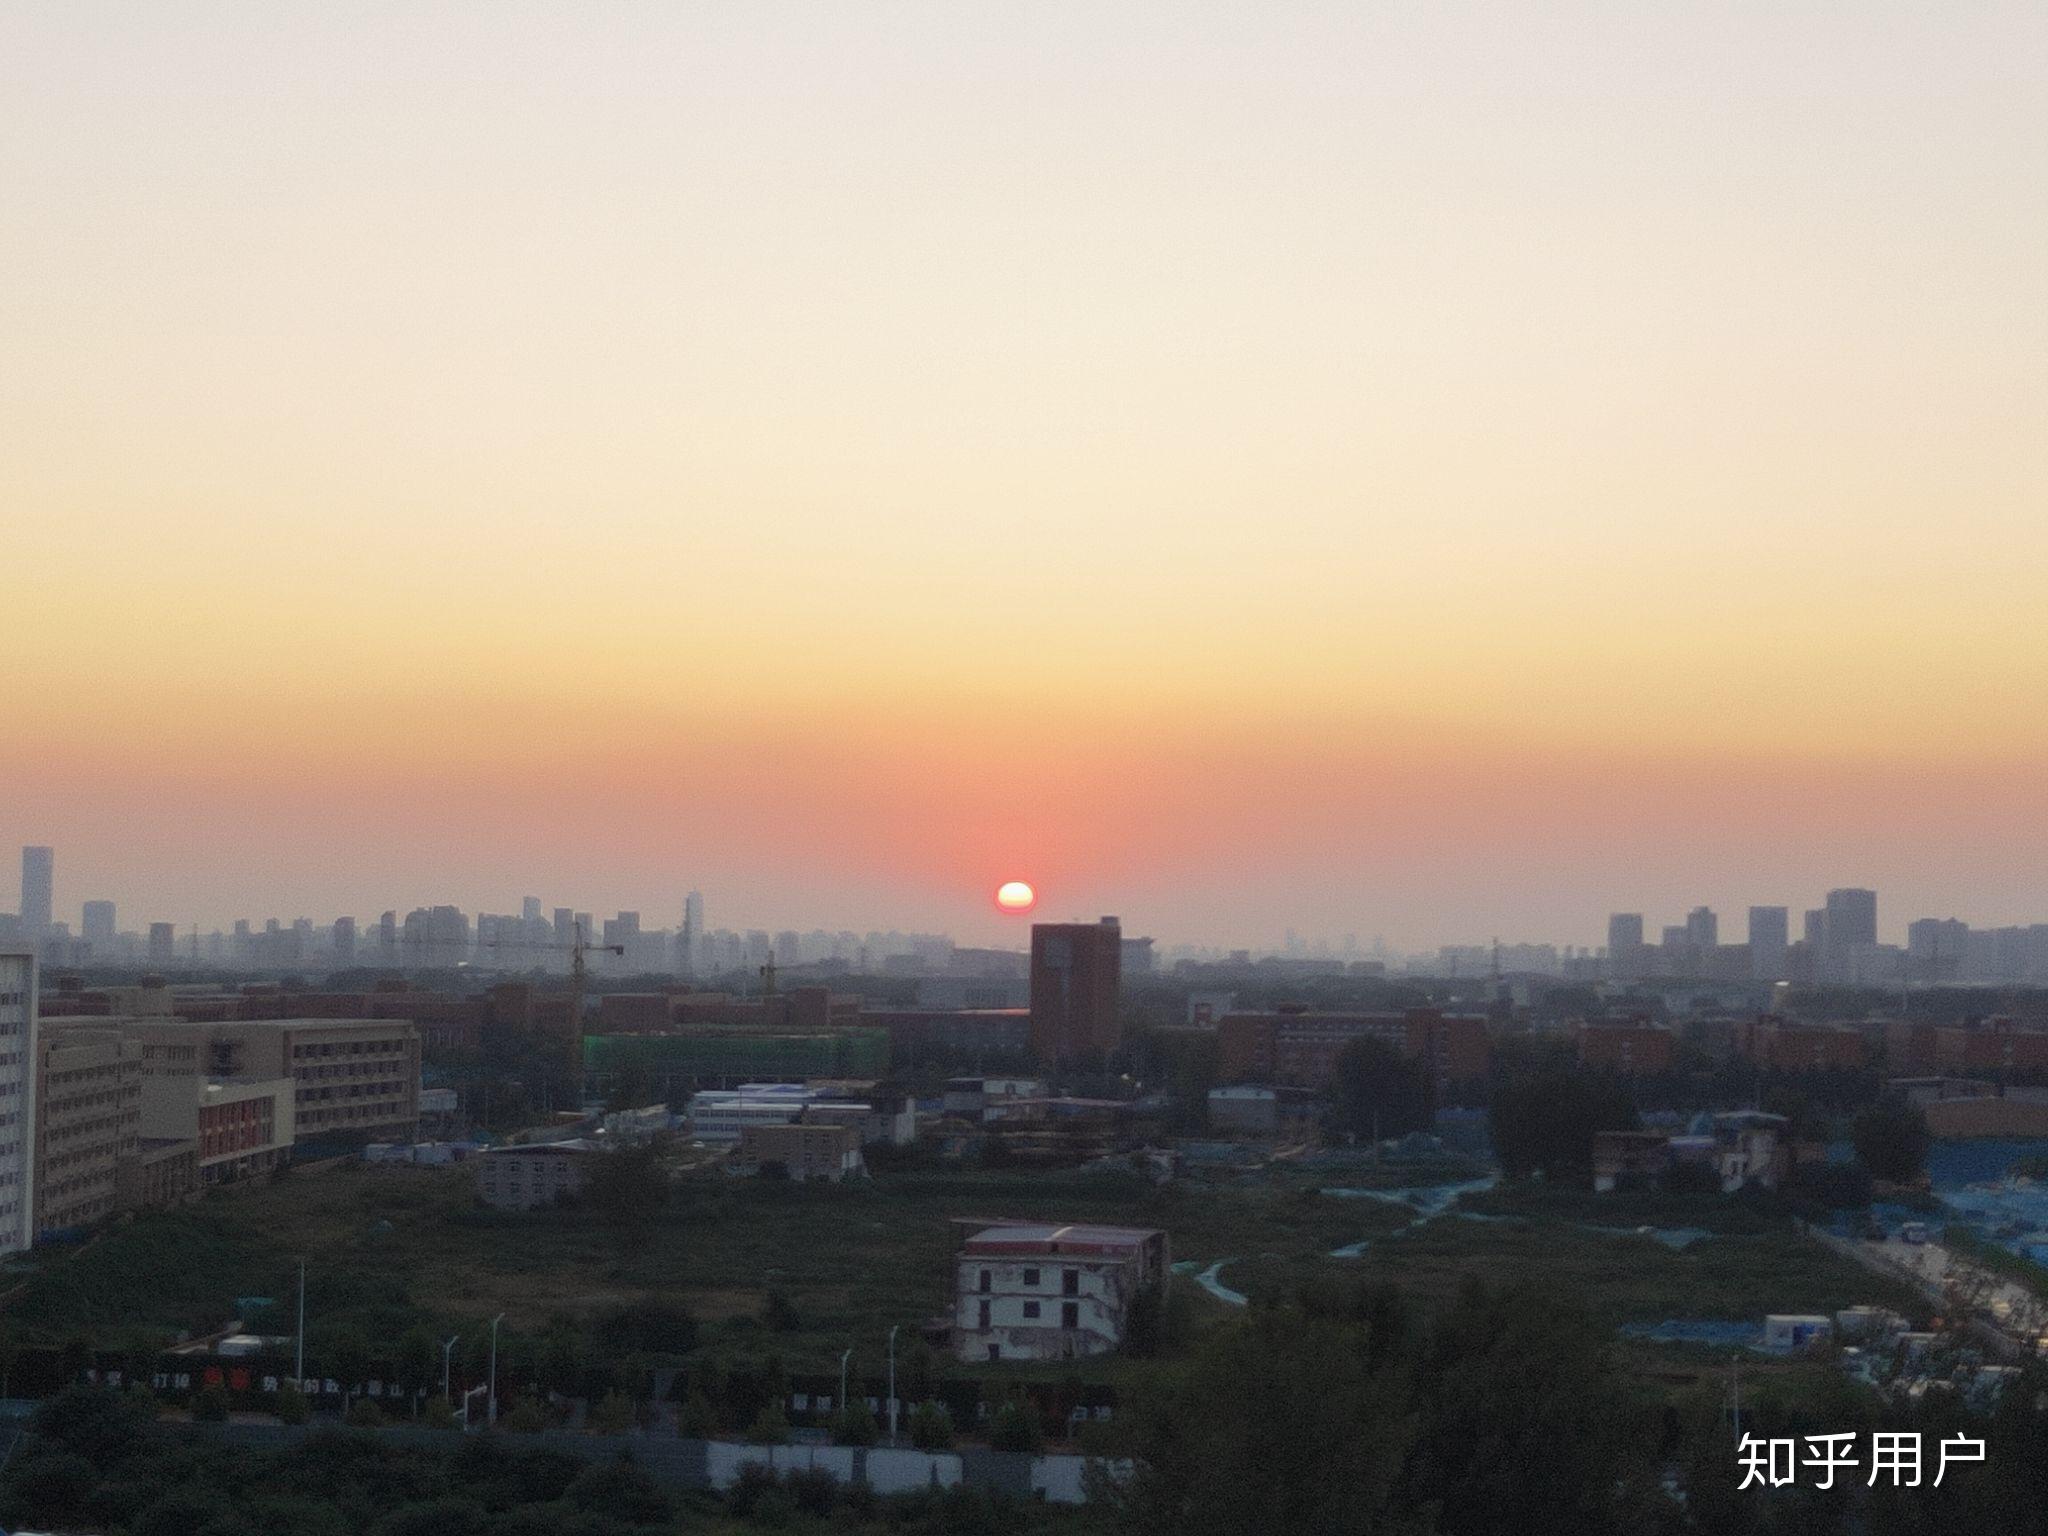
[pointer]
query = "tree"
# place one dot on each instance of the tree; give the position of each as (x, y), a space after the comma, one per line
(1231, 1442)
(1524, 1408)
(1376, 1091)
(1544, 1120)
(210, 1404)
(770, 1427)
(1891, 1140)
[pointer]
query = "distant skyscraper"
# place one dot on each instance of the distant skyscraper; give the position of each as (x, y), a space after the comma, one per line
(565, 925)
(97, 927)
(18, 1052)
(344, 940)
(1076, 985)
(1625, 956)
(1852, 918)
(38, 887)
(529, 910)
(163, 943)
(1624, 931)
(1702, 929)
(1813, 928)
(1770, 937)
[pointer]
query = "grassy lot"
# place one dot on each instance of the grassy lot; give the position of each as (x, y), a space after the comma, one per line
(389, 1248)
(851, 1260)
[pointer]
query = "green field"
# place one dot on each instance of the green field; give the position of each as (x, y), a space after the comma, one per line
(391, 1248)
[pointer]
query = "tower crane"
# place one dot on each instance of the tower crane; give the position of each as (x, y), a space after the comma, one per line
(579, 969)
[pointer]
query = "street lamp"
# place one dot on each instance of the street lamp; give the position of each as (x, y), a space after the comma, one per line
(447, 1344)
(892, 1382)
(492, 1416)
(299, 1365)
(842, 1384)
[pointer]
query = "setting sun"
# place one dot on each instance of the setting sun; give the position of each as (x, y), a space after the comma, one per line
(1015, 896)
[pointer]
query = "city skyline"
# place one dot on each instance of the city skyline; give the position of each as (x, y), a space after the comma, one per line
(1854, 913)
(1455, 469)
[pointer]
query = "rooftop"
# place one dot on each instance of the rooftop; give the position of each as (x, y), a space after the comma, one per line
(1041, 1237)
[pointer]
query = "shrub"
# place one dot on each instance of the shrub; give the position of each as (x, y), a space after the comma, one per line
(210, 1404)
(525, 1417)
(1016, 1428)
(756, 1480)
(813, 1490)
(612, 1414)
(699, 1420)
(931, 1427)
(771, 1428)
(291, 1406)
(363, 1413)
(855, 1425)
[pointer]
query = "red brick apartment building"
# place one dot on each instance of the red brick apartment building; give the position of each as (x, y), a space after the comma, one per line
(1629, 1049)
(1782, 1046)
(1294, 1046)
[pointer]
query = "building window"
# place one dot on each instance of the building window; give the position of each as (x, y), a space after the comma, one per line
(1070, 1314)
(982, 1315)
(1031, 1309)
(1070, 1282)
(985, 1280)
(1031, 1277)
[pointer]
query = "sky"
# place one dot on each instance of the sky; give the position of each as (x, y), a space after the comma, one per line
(1428, 470)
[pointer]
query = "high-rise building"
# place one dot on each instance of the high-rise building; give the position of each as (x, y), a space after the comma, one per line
(1625, 957)
(1076, 983)
(88, 1110)
(343, 937)
(1851, 918)
(38, 887)
(163, 943)
(529, 910)
(1770, 939)
(97, 927)
(1702, 929)
(17, 1100)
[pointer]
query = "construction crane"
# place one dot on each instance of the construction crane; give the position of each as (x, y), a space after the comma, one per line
(579, 969)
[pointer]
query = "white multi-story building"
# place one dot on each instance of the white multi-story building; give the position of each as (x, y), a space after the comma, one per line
(717, 1116)
(1028, 1291)
(17, 1101)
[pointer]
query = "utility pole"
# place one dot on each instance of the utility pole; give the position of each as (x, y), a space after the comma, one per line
(299, 1365)
(447, 1345)
(892, 1382)
(491, 1417)
(842, 1384)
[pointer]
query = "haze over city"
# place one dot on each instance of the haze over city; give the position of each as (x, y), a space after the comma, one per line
(1415, 471)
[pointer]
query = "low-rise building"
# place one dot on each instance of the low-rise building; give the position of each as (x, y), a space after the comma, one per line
(1622, 1158)
(1033, 1291)
(528, 1178)
(804, 1150)
(1633, 1050)
(238, 1128)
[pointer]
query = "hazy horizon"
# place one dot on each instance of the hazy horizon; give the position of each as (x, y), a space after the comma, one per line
(1410, 470)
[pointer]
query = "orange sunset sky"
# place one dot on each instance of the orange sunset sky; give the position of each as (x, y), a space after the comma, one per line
(1423, 470)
